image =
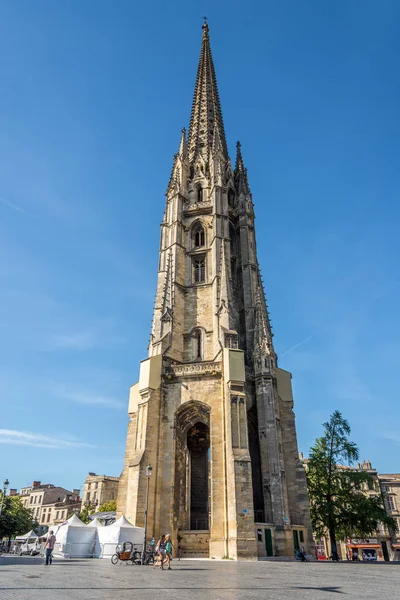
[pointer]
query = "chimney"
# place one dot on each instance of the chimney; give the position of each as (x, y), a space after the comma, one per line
(13, 492)
(35, 484)
(75, 493)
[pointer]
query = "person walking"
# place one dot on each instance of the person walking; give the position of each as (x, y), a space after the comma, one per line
(168, 550)
(160, 548)
(51, 540)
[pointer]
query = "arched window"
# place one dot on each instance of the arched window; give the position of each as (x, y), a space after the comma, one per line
(199, 269)
(197, 345)
(231, 197)
(198, 236)
(199, 194)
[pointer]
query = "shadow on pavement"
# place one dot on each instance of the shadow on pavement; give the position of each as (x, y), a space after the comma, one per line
(335, 590)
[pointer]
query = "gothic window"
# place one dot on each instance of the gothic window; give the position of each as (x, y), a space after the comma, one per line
(231, 197)
(199, 194)
(199, 269)
(198, 236)
(197, 345)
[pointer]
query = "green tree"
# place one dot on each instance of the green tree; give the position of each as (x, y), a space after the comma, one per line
(84, 514)
(338, 505)
(110, 506)
(15, 519)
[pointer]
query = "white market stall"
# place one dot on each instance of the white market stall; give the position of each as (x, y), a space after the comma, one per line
(74, 539)
(27, 543)
(96, 524)
(117, 533)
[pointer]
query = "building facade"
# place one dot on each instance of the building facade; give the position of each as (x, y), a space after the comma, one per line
(383, 545)
(99, 489)
(212, 411)
(49, 504)
(390, 488)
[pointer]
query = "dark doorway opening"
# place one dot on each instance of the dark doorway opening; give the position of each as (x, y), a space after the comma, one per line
(198, 444)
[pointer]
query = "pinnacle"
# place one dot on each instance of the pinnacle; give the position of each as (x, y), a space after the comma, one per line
(241, 171)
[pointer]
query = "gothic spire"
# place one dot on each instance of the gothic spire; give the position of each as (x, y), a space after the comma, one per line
(241, 180)
(206, 114)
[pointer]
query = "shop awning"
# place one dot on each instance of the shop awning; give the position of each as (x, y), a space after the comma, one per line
(396, 546)
(364, 545)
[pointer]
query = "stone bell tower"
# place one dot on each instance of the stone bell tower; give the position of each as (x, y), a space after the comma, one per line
(212, 412)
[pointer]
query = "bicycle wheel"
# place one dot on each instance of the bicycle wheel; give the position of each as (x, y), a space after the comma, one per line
(114, 559)
(137, 558)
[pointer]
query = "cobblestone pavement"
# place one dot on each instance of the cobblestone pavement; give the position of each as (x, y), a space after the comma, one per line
(25, 578)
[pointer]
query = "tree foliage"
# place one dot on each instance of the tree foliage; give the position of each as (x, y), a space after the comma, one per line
(110, 506)
(85, 512)
(15, 519)
(339, 507)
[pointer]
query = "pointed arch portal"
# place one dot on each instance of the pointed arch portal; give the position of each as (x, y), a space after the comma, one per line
(192, 466)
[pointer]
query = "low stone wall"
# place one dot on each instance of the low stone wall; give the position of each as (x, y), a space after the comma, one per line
(195, 544)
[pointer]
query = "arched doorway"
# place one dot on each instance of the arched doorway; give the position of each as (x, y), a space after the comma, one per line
(192, 466)
(198, 445)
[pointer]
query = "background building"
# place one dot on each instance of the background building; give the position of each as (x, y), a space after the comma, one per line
(50, 505)
(390, 487)
(99, 489)
(384, 544)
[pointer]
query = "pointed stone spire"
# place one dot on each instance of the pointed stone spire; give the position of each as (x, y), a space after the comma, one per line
(181, 154)
(206, 114)
(264, 354)
(241, 180)
(183, 146)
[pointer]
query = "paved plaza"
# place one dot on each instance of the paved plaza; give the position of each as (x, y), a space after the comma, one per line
(27, 578)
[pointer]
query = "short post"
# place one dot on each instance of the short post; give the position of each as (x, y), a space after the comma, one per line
(149, 469)
(5, 486)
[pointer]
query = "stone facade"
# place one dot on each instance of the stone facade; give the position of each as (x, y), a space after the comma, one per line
(384, 545)
(99, 489)
(49, 504)
(212, 411)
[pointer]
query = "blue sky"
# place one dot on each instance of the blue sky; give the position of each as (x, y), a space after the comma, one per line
(94, 95)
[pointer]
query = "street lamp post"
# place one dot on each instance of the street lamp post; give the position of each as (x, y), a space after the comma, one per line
(149, 469)
(5, 486)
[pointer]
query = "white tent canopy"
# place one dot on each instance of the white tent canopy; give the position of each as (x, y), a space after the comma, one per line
(117, 533)
(95, 523)
(74, 539)
(26, 536)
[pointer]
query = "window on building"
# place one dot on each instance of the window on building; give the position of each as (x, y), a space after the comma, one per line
(57, 515)
(197, 345)
(96, 485)
(198, 236)
(88, 497)
(370, 484)
(199, 269)
(391, 503)
(95, 496)
(31, 500)
(199, 194)
(301, 535)
(48, 517)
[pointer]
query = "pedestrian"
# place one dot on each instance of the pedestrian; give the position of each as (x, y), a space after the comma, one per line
(303, 555)
(354, 555)
(168, 550)
(160, 552)
(51, 540)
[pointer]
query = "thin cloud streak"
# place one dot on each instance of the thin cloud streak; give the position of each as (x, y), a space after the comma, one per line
(307, 339)
(38, 440)
(15, 207)
(89, 399)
